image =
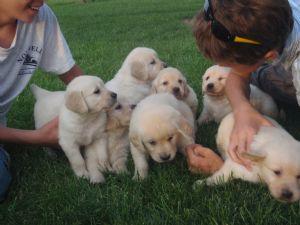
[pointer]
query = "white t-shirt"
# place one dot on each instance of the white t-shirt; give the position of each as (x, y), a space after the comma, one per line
(37, 44)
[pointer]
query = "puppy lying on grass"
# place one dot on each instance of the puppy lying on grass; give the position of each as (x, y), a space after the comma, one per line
(160, 126)
(133, 80)
(275, 155)
(171, 80)
(215, 103)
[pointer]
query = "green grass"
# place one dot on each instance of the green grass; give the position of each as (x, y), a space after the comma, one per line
(45, 191)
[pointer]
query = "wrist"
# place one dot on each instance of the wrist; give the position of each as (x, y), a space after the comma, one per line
(242, 107)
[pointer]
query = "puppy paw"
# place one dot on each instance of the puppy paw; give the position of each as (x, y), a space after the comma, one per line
(119, 168)
(140, 175)
(203, 120)
(104, 165)
(198, 184)
(82, 173)
(96, 178)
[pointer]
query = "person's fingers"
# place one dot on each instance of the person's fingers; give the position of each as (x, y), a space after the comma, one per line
(246, 162)
(232, 149)
(202, 151)
(242, 144)
(197, 162)
(267, 122)
(191, 147)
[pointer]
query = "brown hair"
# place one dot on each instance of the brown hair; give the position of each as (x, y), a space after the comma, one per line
(267, 21)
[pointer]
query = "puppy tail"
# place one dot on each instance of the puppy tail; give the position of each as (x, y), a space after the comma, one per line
(37, 91)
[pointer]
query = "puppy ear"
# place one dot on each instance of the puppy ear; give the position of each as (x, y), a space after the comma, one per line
(254, 157)
(138, 71)
(186, 130)
(136, 141)
(153, 86)
(75, 102)
(112, 123)
(186, 89)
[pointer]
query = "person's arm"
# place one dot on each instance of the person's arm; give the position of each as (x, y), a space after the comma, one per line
(75, 71)
(46, 135)
(247, 120)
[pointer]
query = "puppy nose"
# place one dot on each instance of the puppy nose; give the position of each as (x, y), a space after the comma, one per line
(132, 106)
(165, 65)
(165, 157)
(210, 86)
(176, 90)
(287, 194)
(113, 95)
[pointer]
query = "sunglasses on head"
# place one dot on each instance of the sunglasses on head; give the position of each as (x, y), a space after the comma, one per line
(218, 29)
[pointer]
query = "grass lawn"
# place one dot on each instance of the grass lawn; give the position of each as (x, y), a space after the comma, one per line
(45, 191)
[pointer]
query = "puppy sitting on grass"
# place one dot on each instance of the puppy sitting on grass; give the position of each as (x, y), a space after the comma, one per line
(215, 103)
(133, 80)
(160, 126)
(82, 111)
(275, 155)
(171, 80)
(118, 119)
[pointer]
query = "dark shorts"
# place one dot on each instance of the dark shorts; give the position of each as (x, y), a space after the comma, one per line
(5, 176)
(277, 82)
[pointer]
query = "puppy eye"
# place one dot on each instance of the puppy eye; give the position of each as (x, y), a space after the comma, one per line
(152, 142)
(277, 172)
(180, 81)
(97, 91)
(118, 107)
(170, 138)
(165, 83)
(298, 177)
(152, 62)
(207, 78)
(220, 78)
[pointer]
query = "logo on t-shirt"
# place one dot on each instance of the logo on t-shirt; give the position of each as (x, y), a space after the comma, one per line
(29, 60)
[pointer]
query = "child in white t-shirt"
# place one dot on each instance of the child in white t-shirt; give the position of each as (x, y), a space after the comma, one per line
(30, 37)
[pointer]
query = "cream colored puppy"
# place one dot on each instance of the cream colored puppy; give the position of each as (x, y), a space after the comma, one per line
(46, 108)
(47, 105)
(160, 125)
(133, 80)
(215, 103)
(276, 160)
(82, 123)
(117, 130)
(171, 80)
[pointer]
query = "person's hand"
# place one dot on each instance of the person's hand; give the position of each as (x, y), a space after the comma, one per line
(48, 133)
(202, 160)
(247, 123)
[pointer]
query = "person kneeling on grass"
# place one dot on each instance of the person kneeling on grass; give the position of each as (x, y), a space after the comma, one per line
(260, 41)
(30, 37)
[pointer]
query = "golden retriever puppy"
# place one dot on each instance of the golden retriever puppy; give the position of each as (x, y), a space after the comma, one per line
(47, 105)
(160, 125)
(133, 80)
(82, 123)
(276, 161)
(171, 80)
(215, 103)
(46, 108)
(118, 119)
